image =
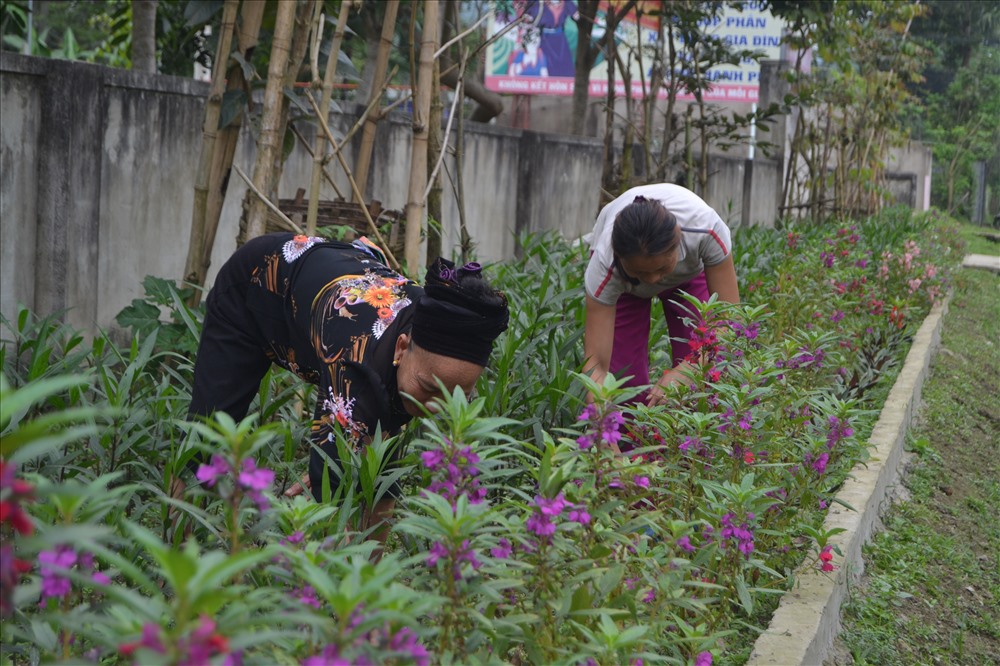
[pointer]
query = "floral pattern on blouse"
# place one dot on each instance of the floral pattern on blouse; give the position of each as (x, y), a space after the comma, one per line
(340, 410)
(296, 247)
(385, 294)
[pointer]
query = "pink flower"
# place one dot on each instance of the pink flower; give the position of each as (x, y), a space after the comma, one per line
(703, 659)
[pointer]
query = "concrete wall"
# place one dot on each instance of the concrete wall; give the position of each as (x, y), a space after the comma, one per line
(97, 176)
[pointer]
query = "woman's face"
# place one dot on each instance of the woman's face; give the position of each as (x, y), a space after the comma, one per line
(419, 370)
(650, 268)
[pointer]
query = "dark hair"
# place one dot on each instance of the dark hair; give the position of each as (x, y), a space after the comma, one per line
(644, 228)
(460, 314)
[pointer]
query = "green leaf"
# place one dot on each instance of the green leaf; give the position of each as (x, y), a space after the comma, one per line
(233, 103)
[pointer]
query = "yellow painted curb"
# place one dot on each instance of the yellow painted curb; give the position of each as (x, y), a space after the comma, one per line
(807, 620)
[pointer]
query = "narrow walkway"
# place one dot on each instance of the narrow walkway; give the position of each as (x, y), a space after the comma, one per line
(984, 261)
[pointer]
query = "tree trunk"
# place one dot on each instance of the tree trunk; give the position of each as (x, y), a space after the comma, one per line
(194, 270)
(271, 135)
(416, 211)
(490, 103)
(435, 147)
(144, 35)
(371, 123)
(584, 62)
(307, 14)
(326, 92)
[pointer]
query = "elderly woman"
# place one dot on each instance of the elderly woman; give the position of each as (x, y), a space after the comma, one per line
(374, 343)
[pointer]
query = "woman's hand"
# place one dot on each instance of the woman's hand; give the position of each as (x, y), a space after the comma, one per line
(657, 394)
(297, 488)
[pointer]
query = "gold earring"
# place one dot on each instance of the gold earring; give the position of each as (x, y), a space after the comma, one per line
(395, 362)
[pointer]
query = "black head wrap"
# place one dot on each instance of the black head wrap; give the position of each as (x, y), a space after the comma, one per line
(455, 320)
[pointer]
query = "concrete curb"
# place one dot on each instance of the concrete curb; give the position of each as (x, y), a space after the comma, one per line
(985, 261)
(807, 620)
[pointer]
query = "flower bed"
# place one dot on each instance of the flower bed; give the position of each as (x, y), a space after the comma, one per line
(520, 539)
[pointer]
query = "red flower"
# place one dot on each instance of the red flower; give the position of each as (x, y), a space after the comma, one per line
(749, 457)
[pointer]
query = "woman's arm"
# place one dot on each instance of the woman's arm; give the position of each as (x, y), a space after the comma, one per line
(721, 280)
(598, 339)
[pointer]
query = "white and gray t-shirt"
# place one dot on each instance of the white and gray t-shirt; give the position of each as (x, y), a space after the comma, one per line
(705, 241)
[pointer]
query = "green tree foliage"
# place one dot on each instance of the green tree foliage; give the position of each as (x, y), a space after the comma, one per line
(958, 112)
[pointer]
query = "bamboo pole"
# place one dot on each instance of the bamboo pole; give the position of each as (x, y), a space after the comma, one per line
(416, 211)
(394, 264)
(193, 273)
(363, 164)
(247, 35)
(269, 143)
(324, 106)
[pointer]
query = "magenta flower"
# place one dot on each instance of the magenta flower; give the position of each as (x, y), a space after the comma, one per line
(254, 478)
(819, 464)
(150, 640)
(307, 596)
(432, 459)
(703, 659)
(684, 543)
(406, 642)
(540, 525)
(53, 566)
(329, 656)
(553, 506)
(502, 550)
(578, 514)
(438, 550)
(293, 539)
(209, 474)
(642, 481)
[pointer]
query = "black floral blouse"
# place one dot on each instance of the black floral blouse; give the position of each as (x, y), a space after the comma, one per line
(331, 313)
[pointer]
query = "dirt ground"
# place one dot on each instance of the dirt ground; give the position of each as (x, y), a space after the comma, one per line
(931, 589)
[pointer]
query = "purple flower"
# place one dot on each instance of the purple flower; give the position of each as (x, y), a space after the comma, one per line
(432, 459)
(329, 656)
(540, 525)
(589, 412)
(642, 481)
(149, 640)
(650, 596)
(837, 316)
(307, 596)
(684, 543)
(254, 478)
(703, 659)
(209, 474)
(293, 539)
(100, 578)
(53, 567)
(819, 464)
(578, 514)
(406, 642)
(502, 550)
(551, 507)
(438, 550)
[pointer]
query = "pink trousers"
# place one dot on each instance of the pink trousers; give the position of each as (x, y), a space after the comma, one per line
(630, 353)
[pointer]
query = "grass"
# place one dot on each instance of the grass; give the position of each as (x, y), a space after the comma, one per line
(978, 239)
(931, 592)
